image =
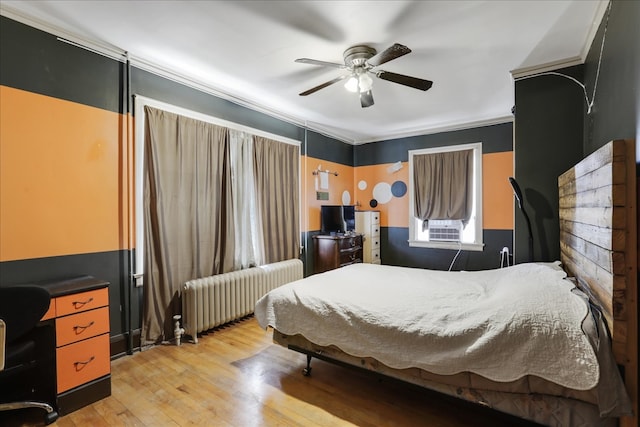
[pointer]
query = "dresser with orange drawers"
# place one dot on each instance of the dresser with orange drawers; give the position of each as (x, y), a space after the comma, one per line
(79, 312)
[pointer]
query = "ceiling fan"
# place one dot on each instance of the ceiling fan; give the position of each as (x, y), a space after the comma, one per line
(362, 60)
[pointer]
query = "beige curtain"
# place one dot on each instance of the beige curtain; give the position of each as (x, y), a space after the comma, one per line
(443, 185)
(189, 228)
(277, 184)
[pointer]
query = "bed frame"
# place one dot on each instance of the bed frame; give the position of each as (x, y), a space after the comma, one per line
(598, 242)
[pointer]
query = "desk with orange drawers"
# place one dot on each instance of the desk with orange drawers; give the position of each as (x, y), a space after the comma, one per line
(79, 313)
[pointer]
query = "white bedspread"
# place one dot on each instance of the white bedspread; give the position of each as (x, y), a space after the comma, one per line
(502, 324)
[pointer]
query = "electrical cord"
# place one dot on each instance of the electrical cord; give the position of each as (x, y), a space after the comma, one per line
(584, 89)
(456, 256)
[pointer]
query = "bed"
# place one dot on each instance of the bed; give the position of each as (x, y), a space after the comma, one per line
(531, 340)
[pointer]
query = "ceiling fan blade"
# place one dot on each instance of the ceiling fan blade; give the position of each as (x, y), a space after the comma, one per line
(366, 99)
(393, 52)
(413, 82)
(323, 85)
(322, 63)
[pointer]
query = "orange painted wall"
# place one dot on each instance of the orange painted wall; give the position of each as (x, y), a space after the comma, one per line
(338, 185)
(395, 212)
(497, 194)
(497, 204)
(61, 177)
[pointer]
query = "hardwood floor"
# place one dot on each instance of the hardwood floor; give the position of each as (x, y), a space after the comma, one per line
(236, 377)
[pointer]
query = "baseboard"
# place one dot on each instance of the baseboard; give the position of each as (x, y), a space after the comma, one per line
(119, 345)
(84, 395)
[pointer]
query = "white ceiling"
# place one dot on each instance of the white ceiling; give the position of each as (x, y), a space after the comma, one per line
(245, 51)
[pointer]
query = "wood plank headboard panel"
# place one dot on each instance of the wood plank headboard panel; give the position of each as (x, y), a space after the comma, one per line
(598, 242)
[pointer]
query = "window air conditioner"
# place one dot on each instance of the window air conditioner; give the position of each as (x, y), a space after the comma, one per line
(445, 230)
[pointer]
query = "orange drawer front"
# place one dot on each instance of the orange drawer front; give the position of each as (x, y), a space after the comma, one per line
(83, 301)
(81, 326)
(82, 362)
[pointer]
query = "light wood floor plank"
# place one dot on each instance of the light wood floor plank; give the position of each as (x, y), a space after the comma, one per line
(236, 377)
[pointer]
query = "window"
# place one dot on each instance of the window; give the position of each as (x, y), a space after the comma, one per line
(237, 132)
(446, 225)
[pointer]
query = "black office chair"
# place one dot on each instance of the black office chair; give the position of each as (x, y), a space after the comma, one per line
(21, 308)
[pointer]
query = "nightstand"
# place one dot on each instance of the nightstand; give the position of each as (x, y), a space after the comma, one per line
(334, 251)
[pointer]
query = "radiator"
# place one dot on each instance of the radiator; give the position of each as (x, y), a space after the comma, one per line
(215, 300)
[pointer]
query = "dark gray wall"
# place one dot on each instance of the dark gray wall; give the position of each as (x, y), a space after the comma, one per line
(496, 138)
(617, 102)
(548, 141)
(553, 130)
(38, 62)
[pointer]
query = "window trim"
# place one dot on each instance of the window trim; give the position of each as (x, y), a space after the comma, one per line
(478, 243)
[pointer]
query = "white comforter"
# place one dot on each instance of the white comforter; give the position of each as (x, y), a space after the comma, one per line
(502, 324)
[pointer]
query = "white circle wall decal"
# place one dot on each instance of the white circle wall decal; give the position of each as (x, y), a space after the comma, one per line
(362, 185)
(346, 198)
(382, 192)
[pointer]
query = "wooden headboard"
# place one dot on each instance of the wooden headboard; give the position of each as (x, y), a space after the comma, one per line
(598, 244)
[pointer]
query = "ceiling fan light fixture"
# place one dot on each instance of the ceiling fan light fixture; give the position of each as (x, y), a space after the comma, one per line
(362, 61)
(352, 84)
(359, 81)
(365, 82)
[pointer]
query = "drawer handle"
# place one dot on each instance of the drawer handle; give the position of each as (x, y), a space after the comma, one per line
(80, 329)
(80, 304)
(81, 365)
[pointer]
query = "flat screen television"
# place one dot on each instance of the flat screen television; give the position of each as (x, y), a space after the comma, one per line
(337, 219)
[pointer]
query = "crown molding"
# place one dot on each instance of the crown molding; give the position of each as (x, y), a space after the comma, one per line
(567, 62)
(593, 30)
(549, 66)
